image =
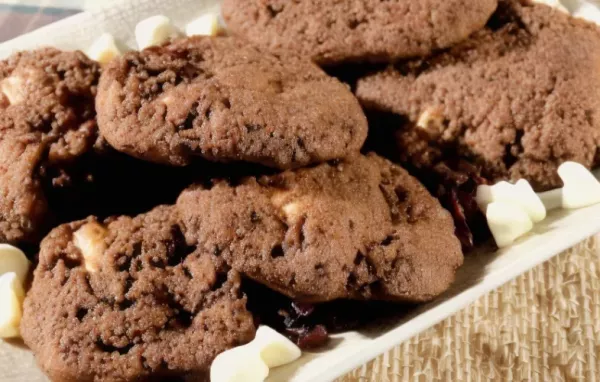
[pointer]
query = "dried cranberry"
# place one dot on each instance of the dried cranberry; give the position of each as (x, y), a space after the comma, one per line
(463, 232)
(310, 338)
(455, 183)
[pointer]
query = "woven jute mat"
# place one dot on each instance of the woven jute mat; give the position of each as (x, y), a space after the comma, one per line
(543, 326)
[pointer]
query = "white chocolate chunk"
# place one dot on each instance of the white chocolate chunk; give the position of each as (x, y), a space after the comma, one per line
(16, 87)
(12, 259)
(252, 361)
(155, 30)
(520, 194)
(104, 49)
(291, 209)
(279, 198)
(205, 25)
(13, 88)
(581, 188)
(484, 196)
(11, 305)
(90, 241)
(167, 99)
(275, 349)
(241, 364)
(552, 199)
(507, 222)
(531, 201)
(431, 121)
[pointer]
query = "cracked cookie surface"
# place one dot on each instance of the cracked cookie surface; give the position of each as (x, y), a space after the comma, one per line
(332, 32)
(361, 229)
(131, 299)
(518, 98)
(47, 122)
(221, 99)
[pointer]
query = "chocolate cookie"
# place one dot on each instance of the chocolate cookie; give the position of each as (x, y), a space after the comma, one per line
(332, 32)
(517, 99)
(129, 299)
(361, 229)
(223, 100)
(47, 121)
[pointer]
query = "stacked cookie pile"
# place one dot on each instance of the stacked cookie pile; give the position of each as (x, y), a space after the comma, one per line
(188, 190)
(492, 90)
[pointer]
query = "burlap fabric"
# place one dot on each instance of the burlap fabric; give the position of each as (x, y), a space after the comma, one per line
(543, 326)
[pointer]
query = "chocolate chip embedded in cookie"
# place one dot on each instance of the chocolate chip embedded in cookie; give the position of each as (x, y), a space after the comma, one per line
(47, 121)
(223, 100)
(518, 98)
(130, 299)
(332, 32)
(361, 229)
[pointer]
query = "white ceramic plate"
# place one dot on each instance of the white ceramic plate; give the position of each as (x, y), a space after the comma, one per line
(482, 272)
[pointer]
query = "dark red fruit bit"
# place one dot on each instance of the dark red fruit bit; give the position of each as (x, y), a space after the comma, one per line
(462, 230)
(310, 338)
(456, 183)
(310, 324)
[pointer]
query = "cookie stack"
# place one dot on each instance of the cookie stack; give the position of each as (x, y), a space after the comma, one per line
(212, 182)
(493, 90)
(281, 197)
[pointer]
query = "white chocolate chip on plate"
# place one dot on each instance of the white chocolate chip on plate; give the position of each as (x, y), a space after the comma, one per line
(251, 362)
(89, 239)
(11, 305)
(155, 30)
(520, 194)
(240, 364)
(581, 188)
(275, 349)
(205, 25)
(507, 222)
(12, 259)
(104, 49)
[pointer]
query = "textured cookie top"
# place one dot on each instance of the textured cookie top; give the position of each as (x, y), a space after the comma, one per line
(47, 120)
(519, 98)
(130, 299)
(223, 100)
(332, 31)
(361, 229)
(50, 92)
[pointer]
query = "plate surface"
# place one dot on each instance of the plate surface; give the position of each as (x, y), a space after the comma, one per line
(482, 272)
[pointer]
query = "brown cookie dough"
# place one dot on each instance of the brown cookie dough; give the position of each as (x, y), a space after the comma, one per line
(47, 121)
(362, 229)
(332, 32)
(518, 98)
(129, 299)
(223, 100)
